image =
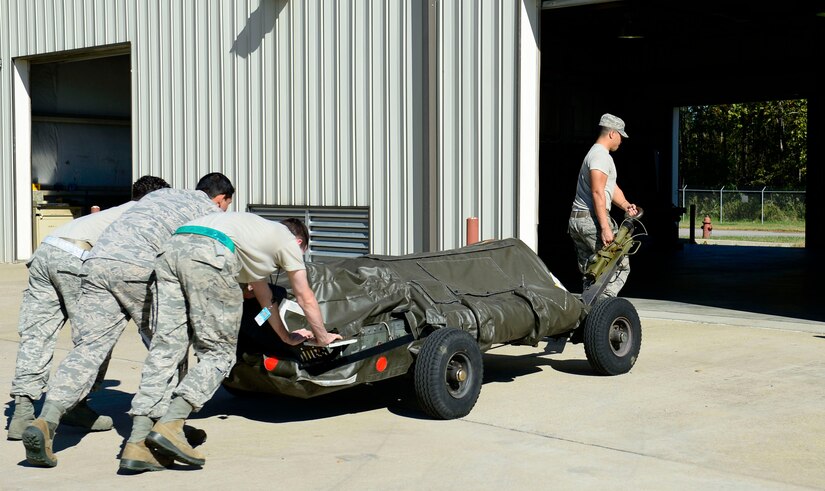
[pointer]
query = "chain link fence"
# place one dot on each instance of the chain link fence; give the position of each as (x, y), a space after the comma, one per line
(751, 206)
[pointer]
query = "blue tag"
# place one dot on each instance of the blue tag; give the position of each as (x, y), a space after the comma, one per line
(262, 316)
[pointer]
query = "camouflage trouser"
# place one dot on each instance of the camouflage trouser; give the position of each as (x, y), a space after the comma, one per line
(111, 293)
(49, 300)
(197, 290)
(586, 236)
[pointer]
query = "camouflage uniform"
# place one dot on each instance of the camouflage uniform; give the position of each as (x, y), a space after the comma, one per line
(117, 283)
(587, 239)
(197, 278)
(54, 286)
(197, 288)
(49, 300)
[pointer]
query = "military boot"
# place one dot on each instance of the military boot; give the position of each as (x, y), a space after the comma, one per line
(85, 417)
(22, 417)
(168, 439)
(37, 438)
(137, 457)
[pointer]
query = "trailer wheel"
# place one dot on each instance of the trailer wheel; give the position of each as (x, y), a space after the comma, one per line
(448, 374)
(612, 336)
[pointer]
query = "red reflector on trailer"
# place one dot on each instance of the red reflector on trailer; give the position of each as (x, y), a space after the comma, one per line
(270, 363)
(381, 364)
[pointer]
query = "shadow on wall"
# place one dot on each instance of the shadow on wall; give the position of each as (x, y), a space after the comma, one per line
(259, 23)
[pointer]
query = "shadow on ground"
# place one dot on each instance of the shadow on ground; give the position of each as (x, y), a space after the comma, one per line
(780, 281)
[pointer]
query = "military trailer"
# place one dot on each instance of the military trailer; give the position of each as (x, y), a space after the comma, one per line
(430, 316)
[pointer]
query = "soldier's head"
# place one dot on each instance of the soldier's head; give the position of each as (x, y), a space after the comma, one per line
(146, 185)
(299, 230)
(218, 187)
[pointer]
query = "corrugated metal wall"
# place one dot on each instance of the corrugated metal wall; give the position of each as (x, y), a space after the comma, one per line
(313, 103)
(477, 117)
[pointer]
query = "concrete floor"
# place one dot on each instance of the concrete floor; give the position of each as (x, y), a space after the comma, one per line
(721, 398)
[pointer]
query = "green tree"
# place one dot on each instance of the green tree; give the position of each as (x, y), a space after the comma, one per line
(745, 146)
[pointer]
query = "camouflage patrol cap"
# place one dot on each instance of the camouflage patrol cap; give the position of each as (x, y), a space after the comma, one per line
(612, 122)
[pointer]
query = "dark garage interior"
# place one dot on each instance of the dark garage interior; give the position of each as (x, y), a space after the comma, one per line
(679, 54)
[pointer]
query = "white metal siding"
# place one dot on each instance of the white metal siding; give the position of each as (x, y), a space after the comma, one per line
(477, 107)
(303, 102)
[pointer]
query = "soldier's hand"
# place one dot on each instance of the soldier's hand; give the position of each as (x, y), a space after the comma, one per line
(299, 336)
(327, 338)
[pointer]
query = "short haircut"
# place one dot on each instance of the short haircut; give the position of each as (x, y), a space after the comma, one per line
(298, 229)
(146, 185)
(214, 184)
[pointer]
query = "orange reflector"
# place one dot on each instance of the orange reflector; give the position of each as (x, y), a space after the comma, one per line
(270, 363)
(381, 364)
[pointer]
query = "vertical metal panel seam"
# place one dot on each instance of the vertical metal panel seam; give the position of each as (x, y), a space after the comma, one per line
(368, 100)
(6, 156)
(135, 85)
(500, 121)
(388, 203)
(32, 24)
(276, 58)
(479, 84)
(251, 163)
(265, 115)
(227, 97)
(440, 201)
(243, 102)
(337, 104)
(177, 63)
(322, 93)
(261, 170)
(407, 208)
(352, 101)
(337, 72)
(316, 191)
(35, 26)
(164, 59)
(57, 24)
(197, 120)
(236, 99)
(138, 87)
(305, 105)
(292, 71)
(459, 83)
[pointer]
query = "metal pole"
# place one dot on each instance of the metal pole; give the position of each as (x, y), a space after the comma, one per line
(472, 230)
(693, 223)
(720, 204)
(684, 188)
(763, 205)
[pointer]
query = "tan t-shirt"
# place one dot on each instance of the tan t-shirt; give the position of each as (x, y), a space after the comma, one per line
(89, 228)
(262, 245)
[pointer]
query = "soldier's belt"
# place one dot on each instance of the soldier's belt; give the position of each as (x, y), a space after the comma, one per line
(581, 214)
(207, 232)
(65, 245)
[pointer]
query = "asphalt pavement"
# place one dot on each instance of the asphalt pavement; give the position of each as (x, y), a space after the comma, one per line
(720, 398)
(721, 233)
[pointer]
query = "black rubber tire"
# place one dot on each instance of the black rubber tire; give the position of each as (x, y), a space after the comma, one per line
(448, 374)
(612, 336)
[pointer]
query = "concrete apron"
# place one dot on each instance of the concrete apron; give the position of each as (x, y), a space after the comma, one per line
(709, 404)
